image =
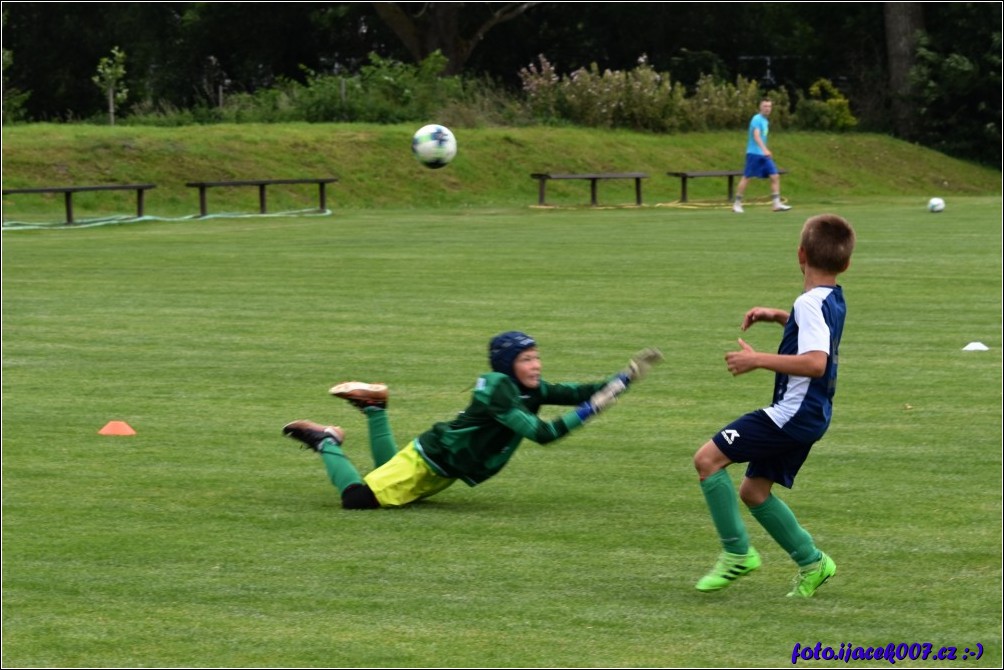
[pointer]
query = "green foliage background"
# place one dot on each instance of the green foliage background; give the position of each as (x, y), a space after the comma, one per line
(342, 62)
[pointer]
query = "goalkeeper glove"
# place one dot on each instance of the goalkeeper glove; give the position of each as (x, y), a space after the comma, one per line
(602, 399)
(639, 365)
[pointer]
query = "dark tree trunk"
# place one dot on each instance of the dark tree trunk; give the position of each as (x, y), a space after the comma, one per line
(903, 21)
(440, 25)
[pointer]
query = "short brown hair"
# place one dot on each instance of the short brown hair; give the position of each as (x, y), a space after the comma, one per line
(828, 241)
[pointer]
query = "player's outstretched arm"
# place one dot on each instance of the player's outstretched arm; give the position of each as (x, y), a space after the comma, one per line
(763, 314)
(602, 399)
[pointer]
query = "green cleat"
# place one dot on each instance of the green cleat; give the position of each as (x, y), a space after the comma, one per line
(811, 577)
(729, 568)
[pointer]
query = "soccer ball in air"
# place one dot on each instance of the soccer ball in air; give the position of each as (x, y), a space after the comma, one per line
(434, 146)
(935, 205)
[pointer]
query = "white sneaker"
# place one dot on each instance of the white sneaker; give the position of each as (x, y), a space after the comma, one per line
(737, 207)
(781, 207)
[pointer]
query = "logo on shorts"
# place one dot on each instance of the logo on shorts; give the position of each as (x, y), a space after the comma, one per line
(730, 435)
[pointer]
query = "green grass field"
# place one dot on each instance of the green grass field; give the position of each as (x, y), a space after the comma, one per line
(208, 540)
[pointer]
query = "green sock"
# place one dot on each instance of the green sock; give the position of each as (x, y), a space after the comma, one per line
(778, 520)
(382, 442)
(341, 472)
(723, 503)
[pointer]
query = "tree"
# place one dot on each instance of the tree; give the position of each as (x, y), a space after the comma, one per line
(452, 28)
(13, 99)
(904, 22)
(956, 81)
(110, 76)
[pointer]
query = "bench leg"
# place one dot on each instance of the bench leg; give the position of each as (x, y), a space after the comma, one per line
(68, 199)
(202, 201)
(139, 203)
(683, 189)
(592, 192)
(541, 191)
(637, 191)
(731, 190)
(322, 201)
(261, 199)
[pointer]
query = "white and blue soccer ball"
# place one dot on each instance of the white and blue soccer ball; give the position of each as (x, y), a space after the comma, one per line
(935, 205)
(434, 146)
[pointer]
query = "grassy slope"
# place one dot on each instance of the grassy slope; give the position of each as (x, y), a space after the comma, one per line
(375, 168)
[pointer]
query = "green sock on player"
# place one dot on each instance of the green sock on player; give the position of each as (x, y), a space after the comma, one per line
(341, 472)
(382, 444)
(720, 494)
(779, 521)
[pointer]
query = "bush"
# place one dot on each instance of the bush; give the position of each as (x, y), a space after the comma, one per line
(384, 91)
(718, 105)
(826, 108)
(13, 99)
(388, 91)
(541, 90)
(641, 99)
(484, 103)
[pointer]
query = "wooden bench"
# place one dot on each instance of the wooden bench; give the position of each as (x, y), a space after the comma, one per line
(68, 192)
(261, 184)
(543, 177)
(731, 174)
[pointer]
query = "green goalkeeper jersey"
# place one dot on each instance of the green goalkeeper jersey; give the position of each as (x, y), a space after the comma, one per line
(479, 442)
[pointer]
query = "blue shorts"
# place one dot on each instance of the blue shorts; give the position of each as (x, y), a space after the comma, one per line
(759, 166)
(755, 439)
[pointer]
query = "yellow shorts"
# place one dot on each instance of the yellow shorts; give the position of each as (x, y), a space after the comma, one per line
(405, 478)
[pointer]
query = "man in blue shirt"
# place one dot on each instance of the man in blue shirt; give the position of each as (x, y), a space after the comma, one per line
(760, 161)
(776, 440)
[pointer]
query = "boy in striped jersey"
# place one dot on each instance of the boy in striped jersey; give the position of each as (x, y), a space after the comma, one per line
(774, 441)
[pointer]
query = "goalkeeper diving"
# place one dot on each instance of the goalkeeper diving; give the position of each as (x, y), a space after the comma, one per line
(475, 445)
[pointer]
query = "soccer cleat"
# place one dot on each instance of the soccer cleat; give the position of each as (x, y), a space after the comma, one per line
(812, 577)
(362, 395)
(781, 207)
(729, 568)
(313, 434)
(737, 207)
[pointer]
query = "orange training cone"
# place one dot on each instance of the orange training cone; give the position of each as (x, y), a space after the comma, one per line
(117, 428)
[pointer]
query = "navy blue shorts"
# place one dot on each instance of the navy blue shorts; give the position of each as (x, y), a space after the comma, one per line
(755, 439)
(759, 166)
